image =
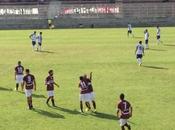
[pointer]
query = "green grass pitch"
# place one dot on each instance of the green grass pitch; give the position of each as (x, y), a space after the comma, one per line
(109, 54)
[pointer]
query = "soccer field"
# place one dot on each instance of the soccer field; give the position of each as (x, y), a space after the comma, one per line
(109, 54)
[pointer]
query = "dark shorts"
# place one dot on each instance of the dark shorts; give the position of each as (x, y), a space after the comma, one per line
(33, 43)
(39, 43)
(158, 37)
(139, 56)
(146, 41)
(129, 31)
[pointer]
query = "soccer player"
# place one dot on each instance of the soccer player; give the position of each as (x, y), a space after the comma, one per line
(19, 69)
(84, 94)
(158, 35)
(146, 38)
(33, 37)
(139, 52)
(29, 83)
(50, 87)
(88, 82)
(124, 112)
(39, 38)
(130, 30)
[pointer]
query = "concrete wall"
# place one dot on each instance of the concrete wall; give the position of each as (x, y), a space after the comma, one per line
(100, 15)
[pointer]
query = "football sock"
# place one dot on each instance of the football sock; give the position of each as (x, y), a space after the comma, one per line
(53, 102)
(17, 85)
(94, 104)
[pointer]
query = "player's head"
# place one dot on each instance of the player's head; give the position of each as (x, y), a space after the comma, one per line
(122, 96)
(157, 26)
(50, 72)
(40, 33)
(19, 62)
(81, 78)
(140, 42)
(34, 32)
(27, 71)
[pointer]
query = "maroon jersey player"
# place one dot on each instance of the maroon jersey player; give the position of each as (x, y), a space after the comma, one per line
(29, 84)
(88, 82)
(19, 69)
(124, 112)
(50, 87)
(84, 94)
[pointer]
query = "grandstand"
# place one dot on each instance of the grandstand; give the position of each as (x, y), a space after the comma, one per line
(87, 13)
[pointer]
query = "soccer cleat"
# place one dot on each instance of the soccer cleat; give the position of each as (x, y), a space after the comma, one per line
(94, 110)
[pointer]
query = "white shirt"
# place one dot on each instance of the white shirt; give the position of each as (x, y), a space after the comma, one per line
(146, 36)
(129, 27)
(33, 37)
(39, 38)
(158, 31)
(139, 49)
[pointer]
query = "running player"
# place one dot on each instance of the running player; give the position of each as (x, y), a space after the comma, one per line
(139, 52)
(130, 30)
(50, 87)
(124, 112)
(146, 38)
(19, 69)
(158, 35)
(84, 94)
(40, 39)
(88, 82)
(33, 37)
(29, 84)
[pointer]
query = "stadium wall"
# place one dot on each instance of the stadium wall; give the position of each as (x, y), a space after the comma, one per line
(87, 15)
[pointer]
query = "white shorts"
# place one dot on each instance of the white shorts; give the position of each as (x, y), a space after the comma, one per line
(92, 96)
(28, 92)
(123, 122)
(50, 93)
(85, 97)
(19, 79)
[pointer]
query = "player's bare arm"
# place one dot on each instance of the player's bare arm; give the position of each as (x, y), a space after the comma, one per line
(90, 77)
(131, 109)
(34, 84)
(118, 113)
(56, 84)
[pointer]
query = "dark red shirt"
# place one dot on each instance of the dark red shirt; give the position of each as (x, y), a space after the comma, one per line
(19, 70)
(50, 83)
(83, 88)
(124, 106)
(89, 84)
(29, 81)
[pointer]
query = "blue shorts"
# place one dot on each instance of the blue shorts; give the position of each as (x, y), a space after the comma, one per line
(139, 56)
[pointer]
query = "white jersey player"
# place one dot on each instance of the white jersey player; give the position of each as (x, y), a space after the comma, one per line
(158, 34)
(146, 38)
(139, 52)
(33, 37)
(130, 29)
(39, 39)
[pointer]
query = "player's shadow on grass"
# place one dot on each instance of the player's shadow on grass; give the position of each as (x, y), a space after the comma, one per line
(105, 116)
(48, 114)
(74, 112)
(155, 67)
(38, 96)
(171, 45)
(5, 89)
(45, 51)
(152, 49)
(34, 95)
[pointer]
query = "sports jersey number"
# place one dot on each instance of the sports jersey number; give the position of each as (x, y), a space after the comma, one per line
(140, 48)
(125, 105)
(29, 79)
(20, 70)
